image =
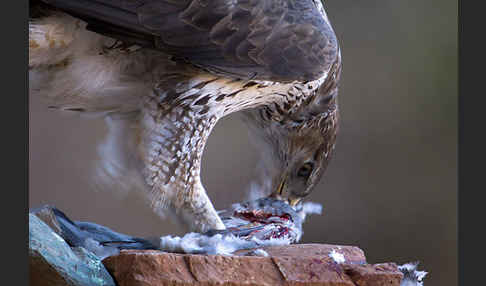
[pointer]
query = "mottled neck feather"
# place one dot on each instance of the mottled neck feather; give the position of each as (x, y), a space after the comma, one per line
(176, 120)
(304, 103)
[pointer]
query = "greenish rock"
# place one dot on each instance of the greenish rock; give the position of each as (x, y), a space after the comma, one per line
(54, 262)
(100, 240)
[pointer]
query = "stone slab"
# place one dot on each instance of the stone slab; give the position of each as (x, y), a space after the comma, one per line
(297, 264)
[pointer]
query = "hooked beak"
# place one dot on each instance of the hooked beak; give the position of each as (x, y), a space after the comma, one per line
(281, 187)
(292, 201)
(278, 193)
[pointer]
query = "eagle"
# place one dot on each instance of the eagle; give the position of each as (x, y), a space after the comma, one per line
(163, 72)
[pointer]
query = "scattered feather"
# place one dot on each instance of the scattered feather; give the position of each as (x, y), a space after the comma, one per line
(337, 257)
(411, 276)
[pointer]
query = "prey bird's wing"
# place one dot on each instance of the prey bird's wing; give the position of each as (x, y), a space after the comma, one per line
(278, 40)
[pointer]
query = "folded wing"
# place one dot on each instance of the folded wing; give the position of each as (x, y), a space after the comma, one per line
(278, 40)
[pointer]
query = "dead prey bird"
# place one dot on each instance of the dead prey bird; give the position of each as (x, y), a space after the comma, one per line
(249, 226)
(163, 72)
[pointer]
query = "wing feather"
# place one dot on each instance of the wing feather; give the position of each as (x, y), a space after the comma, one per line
(279, 40)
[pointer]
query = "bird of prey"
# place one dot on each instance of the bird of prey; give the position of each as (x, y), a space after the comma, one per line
(163, 72)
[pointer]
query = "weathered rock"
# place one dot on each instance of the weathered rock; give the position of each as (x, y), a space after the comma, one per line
(48, 216)
(352, 254)
(374, 275)
(53, 262)
(96, 238)
(301, 264)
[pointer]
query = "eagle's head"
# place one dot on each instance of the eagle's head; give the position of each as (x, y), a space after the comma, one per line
(297, 143)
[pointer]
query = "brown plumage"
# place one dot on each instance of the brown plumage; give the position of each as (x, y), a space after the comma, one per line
(164, 72)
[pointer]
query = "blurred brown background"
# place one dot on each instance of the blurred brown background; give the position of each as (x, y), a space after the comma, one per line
(391, 188)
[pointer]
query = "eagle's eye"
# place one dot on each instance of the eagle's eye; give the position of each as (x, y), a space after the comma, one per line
(305, 170)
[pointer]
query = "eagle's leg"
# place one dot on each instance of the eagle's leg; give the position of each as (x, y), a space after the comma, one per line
(171, 143)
